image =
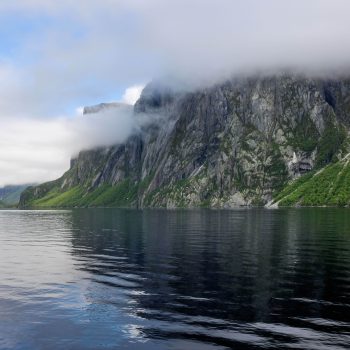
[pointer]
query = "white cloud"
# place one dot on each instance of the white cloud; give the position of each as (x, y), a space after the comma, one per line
(132, 94)
(32, 150)
(93, 48)
(36, 150)
(79, 111)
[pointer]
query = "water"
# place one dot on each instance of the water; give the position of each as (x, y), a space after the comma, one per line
(201, 279)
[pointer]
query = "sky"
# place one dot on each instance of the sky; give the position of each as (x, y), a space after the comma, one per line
(58, 56)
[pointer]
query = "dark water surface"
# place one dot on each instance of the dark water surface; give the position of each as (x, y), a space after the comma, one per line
(201, 279)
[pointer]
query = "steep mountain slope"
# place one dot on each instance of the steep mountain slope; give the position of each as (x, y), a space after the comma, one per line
(329, 186)
(237, 143)
(10, 195)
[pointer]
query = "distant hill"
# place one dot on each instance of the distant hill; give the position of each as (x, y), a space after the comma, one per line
(9, 195)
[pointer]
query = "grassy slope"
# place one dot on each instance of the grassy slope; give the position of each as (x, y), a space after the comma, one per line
(124, 194)
(328, 187)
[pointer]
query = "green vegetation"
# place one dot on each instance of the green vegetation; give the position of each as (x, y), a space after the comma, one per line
(305, 135)
(331, 185)
(292, 186)
(259, 171)
(175, 192)
(55, 198)
(306, 138)
(124, 194)
(328, 187)
(180, 192)
(266, 170)
(330, 143)
(275, 168)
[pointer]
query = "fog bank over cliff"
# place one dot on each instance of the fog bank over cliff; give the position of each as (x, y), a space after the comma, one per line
(238, 143)
(86, 50)
(204, 41)
(58, 55)
(40, 149)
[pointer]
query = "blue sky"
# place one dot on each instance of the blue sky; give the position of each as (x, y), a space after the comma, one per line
(52, 48)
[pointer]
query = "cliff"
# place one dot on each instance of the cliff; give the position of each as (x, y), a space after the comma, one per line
(238, 143)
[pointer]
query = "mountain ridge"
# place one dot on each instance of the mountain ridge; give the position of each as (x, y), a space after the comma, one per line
(238, 143)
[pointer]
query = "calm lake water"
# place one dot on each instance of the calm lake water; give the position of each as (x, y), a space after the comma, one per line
(189, 280)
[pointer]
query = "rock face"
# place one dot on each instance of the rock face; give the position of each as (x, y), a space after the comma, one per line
(234, 144)
(102, 107)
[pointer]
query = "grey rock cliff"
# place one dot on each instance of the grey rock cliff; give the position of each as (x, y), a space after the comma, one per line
(102, 107)
(233, 144)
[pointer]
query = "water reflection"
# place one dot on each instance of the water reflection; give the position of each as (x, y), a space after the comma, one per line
(198, 279)
(207, 268)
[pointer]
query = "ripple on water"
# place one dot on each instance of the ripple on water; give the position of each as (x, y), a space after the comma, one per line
(129, 279)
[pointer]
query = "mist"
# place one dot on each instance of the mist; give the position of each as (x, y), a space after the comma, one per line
(77, 53)
(104, 128)
(91, 48)
(35, 150)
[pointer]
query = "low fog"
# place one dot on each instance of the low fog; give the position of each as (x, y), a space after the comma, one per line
(34, 150)
(75, 53)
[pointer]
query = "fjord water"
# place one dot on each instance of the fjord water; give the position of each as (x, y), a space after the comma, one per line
(192, 279)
